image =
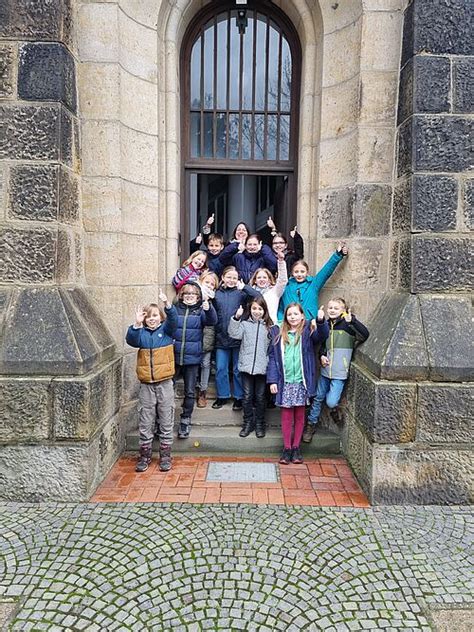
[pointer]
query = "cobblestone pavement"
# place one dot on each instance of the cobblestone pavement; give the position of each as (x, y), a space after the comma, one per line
(194, 567)
(319, 482)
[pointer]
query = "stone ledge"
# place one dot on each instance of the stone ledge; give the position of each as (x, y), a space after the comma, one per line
(70, 337)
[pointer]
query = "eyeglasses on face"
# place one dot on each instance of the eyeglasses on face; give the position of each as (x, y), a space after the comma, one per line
(189, 294)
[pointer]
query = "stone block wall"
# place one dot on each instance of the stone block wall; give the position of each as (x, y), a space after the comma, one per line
(60, 378)
(409, 432)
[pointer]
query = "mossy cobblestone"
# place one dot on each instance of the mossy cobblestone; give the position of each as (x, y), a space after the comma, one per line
(232, 567)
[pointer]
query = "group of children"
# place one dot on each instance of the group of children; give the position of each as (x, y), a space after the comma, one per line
(254, 306)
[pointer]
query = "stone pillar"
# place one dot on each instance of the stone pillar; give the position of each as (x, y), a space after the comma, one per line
(60, 378)
(409, 436)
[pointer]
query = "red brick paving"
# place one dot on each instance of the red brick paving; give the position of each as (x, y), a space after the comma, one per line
(317, 482)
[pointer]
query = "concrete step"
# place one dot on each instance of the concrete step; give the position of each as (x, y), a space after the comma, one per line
(226, 440)
(225, 416)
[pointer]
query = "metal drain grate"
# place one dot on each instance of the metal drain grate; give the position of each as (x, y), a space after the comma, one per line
(242, 472)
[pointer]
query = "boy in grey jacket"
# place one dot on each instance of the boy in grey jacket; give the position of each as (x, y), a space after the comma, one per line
(252, 329)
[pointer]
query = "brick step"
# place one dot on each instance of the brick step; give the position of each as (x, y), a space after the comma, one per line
(226, 440)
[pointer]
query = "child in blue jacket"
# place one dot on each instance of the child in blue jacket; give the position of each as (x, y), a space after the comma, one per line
(152, 333)
(193, 315)
(304, 289)
(291, 373)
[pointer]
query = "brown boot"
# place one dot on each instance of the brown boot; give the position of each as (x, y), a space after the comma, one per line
(202, 399)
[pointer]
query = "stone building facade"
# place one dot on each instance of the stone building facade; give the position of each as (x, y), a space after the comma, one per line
(90, 207)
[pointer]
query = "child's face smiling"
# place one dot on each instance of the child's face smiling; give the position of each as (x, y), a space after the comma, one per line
(209, 283)
(153, 320)
(262, 280)
(215, 246)
(241, 232)
(300, 272)
(199, 261)
(278, 245)
(252, 245)
(335, 309)
(294, 317)
(230, 279)
(256, 311)
(190, 295)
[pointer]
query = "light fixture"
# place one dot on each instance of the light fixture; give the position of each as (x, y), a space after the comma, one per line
(242, 20)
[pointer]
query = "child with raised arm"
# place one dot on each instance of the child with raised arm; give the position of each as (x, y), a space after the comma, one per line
(209, 283)
(194, 314)
(304, 289)
(345, 333)
(264, 282)
(279, 243)
(251, 326)
(291, 373)
(152, 333)
(229, 296)
(191, 269)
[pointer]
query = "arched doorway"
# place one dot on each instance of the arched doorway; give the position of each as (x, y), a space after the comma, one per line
(240, 83)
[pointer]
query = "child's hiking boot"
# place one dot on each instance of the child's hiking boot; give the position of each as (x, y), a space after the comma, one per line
(165, 458)
(144, 459)
(337, 416)
(285, 458)
(260, 428)
(237, 405)
(184, 428)
(220, 401)
(247, 428)
(202, 399)
(296, 457)
(309, 432)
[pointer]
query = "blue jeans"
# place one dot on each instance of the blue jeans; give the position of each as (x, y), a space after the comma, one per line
(223, 359)
(329, 390)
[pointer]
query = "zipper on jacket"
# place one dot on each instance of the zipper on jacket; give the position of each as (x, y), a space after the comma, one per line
(331, 348)
(255, 351)
(181, 355)
(151, 365)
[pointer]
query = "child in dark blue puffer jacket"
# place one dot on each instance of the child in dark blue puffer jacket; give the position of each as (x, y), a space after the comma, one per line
(193, 315)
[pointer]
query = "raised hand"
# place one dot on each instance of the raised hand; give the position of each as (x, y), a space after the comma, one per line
(293, 232)
(321, 313)
(162, 296)
(324, 361)
(198, 239)
(342, 248)
(240, 284)
(210, 220)
(271, 223)
(239, 312)
(205, 304)
(241, 246)
(280, 255)
(259, 246)
(139, 316)
(348, 316)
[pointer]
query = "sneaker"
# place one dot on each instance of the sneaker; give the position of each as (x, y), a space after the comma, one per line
(184, 428)
(309, 432)
(337, 416)
(237, 405)
(296, 457)
(144, 459)
(219, 403)
(202, 399)
(285, 458)
(165, 458)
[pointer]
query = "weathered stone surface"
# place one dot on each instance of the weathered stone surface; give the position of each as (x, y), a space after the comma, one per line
(441, 263)
(463, 85)
(446, 323)
(69, 140)
(468, 202)
(371, 214)
(28, 255)
(69, 336)
(435, 201)
(443, 143)
(83, 404)
(7, 72)
(33, 192)
(357, 450)
(385, 410)
(441, 27)
(397, 349)
(425, 84)
(24, 409)
(405, 263)
(405, 148)
(34, 473)
(335, 212)
(68, 196)
(35, 20)
(64, 257)
(29, 132)
(422, 476)
(401, 211)
(367, 264)
(46, 72)
(445, 413)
